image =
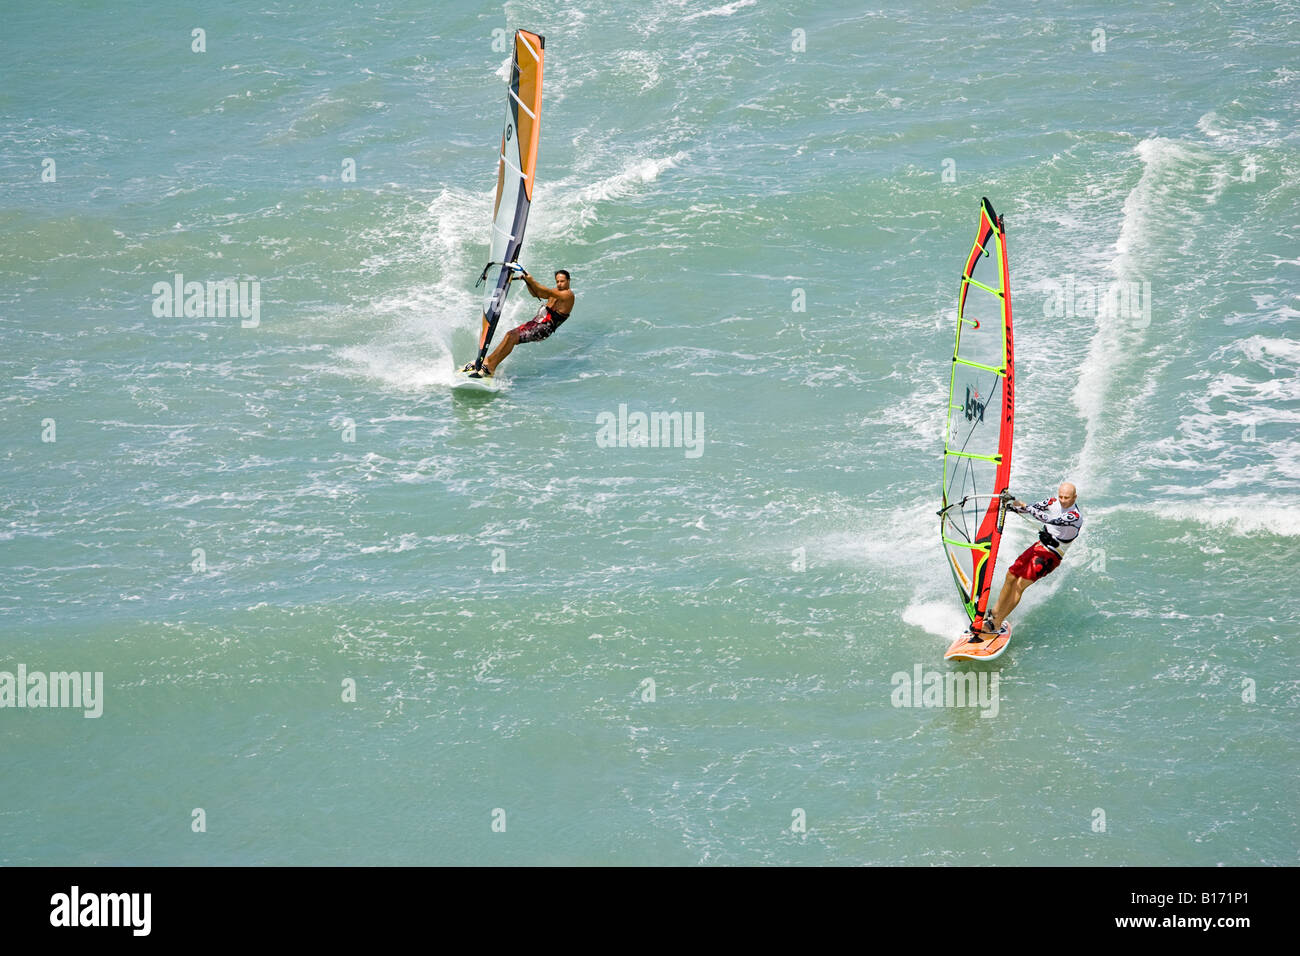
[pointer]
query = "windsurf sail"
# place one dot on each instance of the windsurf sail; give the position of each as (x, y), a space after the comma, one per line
(516, 166)
(981, 416)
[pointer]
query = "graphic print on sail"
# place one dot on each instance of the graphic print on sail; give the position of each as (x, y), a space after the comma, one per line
(516, 166)
(981, 417)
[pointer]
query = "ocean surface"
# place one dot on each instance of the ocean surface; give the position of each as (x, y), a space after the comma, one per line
(345, 616)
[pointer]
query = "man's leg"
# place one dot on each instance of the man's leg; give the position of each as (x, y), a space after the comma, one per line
(1013, 587)
(505, 348)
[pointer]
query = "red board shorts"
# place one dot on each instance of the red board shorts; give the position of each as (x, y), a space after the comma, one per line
(541, 327)
(1036, 562)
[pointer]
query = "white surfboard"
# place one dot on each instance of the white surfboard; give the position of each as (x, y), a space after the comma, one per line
(464, 383)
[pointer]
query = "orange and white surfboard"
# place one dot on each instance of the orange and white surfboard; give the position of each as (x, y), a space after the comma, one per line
(987, 649)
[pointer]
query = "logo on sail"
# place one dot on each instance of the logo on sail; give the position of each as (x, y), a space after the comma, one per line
(974, 405)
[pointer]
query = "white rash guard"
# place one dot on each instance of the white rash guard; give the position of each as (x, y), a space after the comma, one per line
(1060, 525)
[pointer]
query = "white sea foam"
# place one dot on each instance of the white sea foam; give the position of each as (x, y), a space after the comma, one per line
(1160, 203)
(1242, 425)
(420, 327)
(942, 618)
(1250, 515)
(924, 418)
(1274, 354)
(723, 11)
(641, 64)
(1238, 134)
(567, 207)
(413, 350)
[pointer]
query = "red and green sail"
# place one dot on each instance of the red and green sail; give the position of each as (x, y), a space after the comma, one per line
(981, 416)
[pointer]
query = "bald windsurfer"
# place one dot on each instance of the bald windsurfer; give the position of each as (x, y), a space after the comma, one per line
(1062, 523)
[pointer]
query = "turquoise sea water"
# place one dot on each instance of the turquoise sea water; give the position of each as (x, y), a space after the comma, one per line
(765, 209)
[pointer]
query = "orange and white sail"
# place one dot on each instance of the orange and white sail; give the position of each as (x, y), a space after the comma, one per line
(516, 170)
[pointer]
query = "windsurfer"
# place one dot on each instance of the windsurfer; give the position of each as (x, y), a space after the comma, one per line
(557, 308)
(1062, 523)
